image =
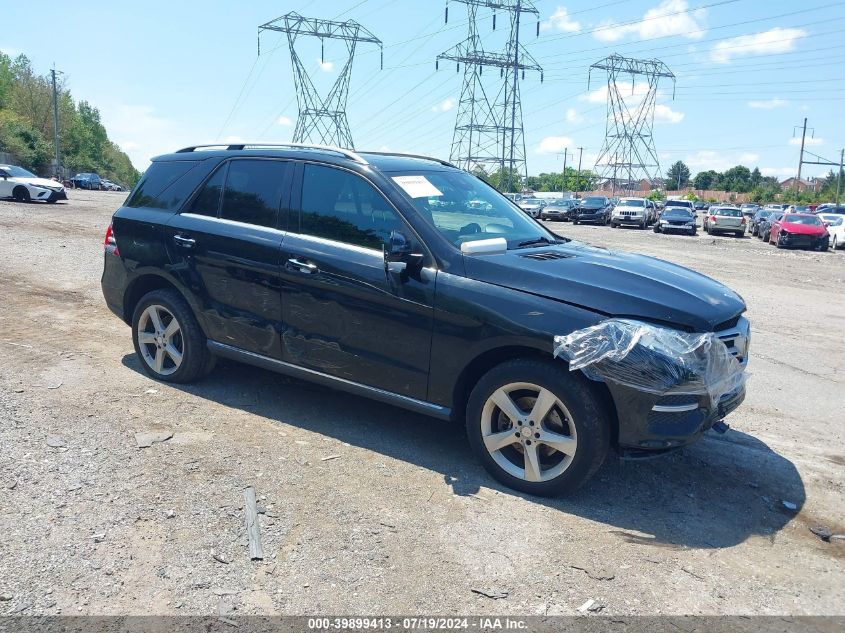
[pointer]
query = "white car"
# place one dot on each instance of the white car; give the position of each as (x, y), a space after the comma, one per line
(632, 212)
(24, 186)
(532, 206)
(835, 227)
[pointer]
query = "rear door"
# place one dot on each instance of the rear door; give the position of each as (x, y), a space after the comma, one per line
(225, 246)
(6, 184)
(345, 315)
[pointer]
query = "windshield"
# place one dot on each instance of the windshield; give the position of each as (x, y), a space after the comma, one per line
(19, 172)
(449, 201)
(833, 220)
(633, 202)
(594, 201)
(679, 203)
(729, 213)
(678, 214)
(809, 220)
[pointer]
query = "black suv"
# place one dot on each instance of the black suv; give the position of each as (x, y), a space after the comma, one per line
(378, 275)
(593, 210)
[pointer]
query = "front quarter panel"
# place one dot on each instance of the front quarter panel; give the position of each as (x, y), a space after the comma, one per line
(473, 317)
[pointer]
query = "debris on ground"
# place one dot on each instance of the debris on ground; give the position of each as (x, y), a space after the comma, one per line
(789, 506)
(256, 552)
(330, 457)
(56, 441)
(6, 597)
(145, 439)
(170, 514)
(591, 605)
(595, 574)
(494, 594)
(219, 558)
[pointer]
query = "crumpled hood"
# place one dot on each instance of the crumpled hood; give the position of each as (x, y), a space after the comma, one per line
(804, 229)
(613, 283)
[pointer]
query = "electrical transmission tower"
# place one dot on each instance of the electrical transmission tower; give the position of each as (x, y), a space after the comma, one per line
(321, 120)
(628, 154)
(488, 131)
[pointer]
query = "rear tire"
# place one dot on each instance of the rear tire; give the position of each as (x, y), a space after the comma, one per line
(168, 340)
(21, 194)
(833, 244)
(564, 430)
(656, 228)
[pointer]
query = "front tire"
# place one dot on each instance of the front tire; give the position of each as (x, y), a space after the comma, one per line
(168, 340)
(536, 427)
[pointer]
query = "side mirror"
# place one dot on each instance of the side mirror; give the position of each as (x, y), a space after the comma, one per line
(398, 255)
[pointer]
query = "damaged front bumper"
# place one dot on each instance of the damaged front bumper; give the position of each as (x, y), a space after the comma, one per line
(668, 387)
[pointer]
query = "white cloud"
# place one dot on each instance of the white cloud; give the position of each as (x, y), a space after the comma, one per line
(808, 141)
(670, 17)
(773, 41)
(445, 105)
(748, 158)
(554, 144)
(284, 121)
(768, 104)
(11, 52)
(326, 67)
(573, 116)
(778, 172)
(665, 114)
(560, 21)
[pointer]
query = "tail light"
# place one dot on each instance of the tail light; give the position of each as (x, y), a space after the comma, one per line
(743, 222)
(712, 218)
(110, 243)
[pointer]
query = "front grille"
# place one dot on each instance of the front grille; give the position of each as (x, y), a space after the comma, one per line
(728, 324)
(736, 339)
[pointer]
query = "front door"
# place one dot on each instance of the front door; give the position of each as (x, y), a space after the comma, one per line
(6, 184)
(344, 314)
(225, 248)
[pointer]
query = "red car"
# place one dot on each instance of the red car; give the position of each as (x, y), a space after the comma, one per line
(799, 230)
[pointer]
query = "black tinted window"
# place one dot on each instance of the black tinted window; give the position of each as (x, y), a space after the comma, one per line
(339, 205)
(157, 188)
(207, 201)
(253, 191)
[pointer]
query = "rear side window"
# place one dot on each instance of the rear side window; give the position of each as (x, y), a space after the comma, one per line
(207, 201)
(159, 188)
(253, 191)
(340, 206)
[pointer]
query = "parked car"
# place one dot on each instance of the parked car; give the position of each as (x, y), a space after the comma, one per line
(765, 228)
(87, 181)
(835, 224)
(676, 220)
(683, 204)
(749, 210)
(532, 206)
(558, 210)
(800, 230)
(632, 212)
(724, 220)
(108, 185)
(263, 255)
(592, 210)
(24, 186)
(840, 210)
(754, 223)
(699, 205)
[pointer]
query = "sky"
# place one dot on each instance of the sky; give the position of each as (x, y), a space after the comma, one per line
(165, 75)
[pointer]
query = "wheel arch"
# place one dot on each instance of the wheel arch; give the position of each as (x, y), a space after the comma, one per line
(489, 359)
(147, 282)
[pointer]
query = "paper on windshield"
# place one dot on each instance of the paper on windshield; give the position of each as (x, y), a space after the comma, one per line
(417, 186)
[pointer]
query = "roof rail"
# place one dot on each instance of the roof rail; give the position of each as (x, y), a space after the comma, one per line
(420, 156)
(348, 153)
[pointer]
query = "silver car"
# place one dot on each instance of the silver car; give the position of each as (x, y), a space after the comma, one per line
(725, 220)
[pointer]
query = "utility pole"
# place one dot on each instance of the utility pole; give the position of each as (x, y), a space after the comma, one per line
(563, 174)
(679, 180)
(578, 179)
(801, 158)
(58, 168)
(839, 175)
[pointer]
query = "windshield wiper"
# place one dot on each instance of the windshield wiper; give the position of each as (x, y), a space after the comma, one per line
(538, 240)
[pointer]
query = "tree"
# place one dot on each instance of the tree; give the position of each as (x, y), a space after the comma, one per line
(705, 180)
(737, 179)
(678, 175)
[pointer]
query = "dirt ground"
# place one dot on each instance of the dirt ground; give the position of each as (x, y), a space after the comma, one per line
(368, 509)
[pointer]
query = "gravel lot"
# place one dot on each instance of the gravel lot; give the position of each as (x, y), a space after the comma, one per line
(368, 509)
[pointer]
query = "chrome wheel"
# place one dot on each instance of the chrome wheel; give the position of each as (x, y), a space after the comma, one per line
(528, 432)
(833, 244)
(160, 340)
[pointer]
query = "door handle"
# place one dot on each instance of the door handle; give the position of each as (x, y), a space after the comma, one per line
(303, 267)
(185, 242)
